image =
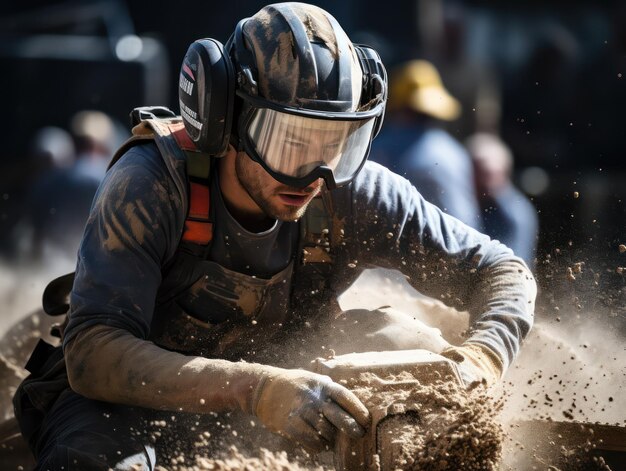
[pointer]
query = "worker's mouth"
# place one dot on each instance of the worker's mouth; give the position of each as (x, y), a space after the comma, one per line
(294, 199)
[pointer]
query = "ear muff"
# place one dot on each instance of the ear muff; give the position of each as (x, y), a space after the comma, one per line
(206, 93)
(374, 80)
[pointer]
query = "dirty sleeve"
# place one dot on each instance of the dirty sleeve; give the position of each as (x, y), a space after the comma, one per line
(393, 226)
(133, 227)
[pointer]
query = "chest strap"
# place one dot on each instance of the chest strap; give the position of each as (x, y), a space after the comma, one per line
(198, 224)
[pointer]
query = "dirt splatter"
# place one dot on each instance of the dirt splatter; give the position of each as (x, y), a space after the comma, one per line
(444, 427)
(557, 446)
(234, 460)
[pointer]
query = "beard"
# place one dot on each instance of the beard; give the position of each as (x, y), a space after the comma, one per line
(267, 197)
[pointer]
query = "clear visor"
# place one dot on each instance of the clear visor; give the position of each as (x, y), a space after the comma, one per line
(296, 145)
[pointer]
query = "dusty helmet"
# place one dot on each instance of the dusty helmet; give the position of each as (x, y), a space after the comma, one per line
(310, 100)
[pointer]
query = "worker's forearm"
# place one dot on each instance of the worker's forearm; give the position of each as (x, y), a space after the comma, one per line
(112, 365)
(503, 308)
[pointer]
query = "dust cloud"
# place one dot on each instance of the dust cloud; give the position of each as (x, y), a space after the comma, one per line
(22, 285)
(23, 322)
(564, 396)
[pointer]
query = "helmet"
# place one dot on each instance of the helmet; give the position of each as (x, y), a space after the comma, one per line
(417, 85)
(299, 57)
(311, 100)
(308, 100)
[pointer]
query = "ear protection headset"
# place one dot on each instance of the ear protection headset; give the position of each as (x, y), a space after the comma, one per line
(211, 73)
(206, 92)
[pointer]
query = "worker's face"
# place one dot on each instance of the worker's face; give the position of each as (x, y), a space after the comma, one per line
(297, 147)
(277, 200)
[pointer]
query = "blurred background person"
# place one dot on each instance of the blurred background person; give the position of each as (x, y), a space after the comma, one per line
(506, 213)
(97, 137)
(413, 142)
(51, 154)
(50, 149)
(60, 198)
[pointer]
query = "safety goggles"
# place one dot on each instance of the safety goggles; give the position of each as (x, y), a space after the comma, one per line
(297, 146)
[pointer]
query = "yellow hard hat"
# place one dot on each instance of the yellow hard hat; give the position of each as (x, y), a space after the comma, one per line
(417, 85)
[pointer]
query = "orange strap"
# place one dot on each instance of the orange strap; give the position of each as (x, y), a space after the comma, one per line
(182, 138)
(198, 226)
(198, 232)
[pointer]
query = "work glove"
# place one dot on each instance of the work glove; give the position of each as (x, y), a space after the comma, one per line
(477, 363)
(308, 408)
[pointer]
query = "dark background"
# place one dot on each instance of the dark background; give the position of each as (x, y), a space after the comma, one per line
(559, 68)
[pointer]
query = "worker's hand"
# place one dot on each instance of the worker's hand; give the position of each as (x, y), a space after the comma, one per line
(308, 408)
(478, 364)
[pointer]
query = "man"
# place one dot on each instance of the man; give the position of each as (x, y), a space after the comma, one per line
(184, 269)
(415, 145)
(507, 214)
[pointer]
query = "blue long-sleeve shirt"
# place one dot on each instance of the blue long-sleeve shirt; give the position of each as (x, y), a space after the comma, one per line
(137, 220)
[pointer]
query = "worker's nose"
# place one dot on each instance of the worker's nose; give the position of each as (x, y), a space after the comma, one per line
(314, 186)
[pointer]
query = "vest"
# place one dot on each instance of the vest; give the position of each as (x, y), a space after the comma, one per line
(240, 305)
